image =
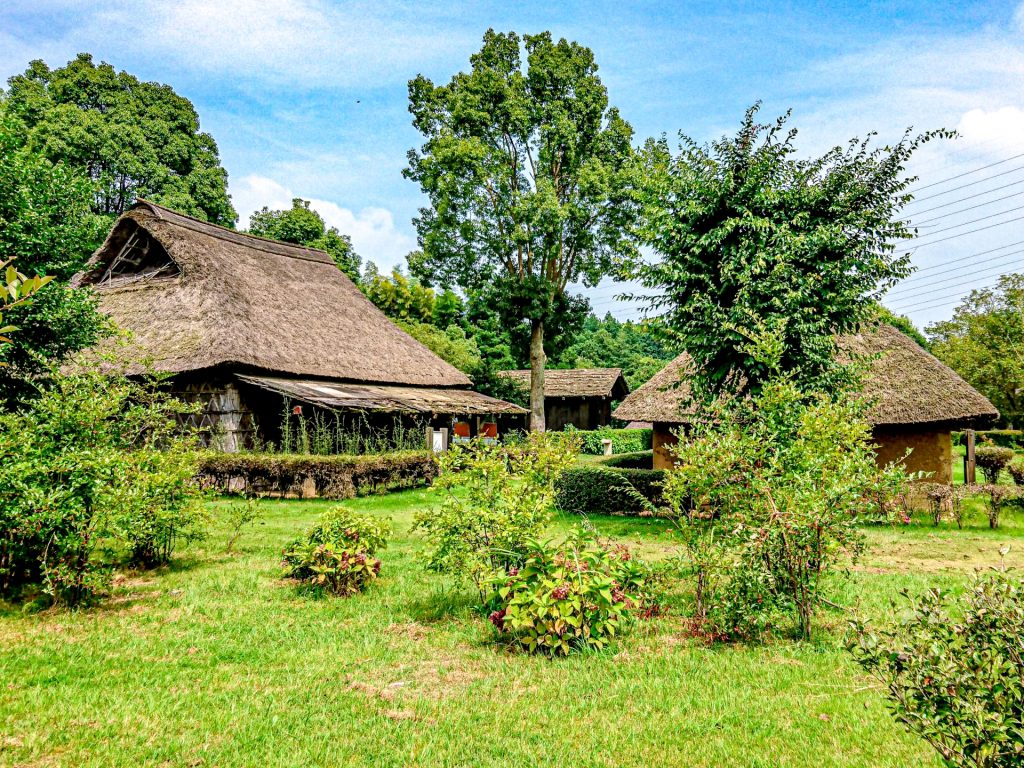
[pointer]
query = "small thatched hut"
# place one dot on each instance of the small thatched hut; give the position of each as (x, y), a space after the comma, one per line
(249, 325)
(581, 397)
(916, 402)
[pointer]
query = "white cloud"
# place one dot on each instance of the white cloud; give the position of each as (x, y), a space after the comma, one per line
(372, 229)
(305, 43)
(999, 131)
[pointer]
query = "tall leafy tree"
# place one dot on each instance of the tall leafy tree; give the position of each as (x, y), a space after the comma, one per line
(46, 228)
(753, 237)
(984, 343)
(302, 225)
(639, 349)
(132, 138)
(521, 163)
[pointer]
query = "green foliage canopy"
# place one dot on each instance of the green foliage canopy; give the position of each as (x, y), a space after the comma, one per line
(751, 234)
(47, 228)
(521, 163)
(984, 343)
(301, 225)
(131, 138)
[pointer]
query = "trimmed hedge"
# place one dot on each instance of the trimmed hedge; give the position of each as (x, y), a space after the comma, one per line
(623, 440)
(1004, 438)
(600, 490)
(326, 477)
(635, 460)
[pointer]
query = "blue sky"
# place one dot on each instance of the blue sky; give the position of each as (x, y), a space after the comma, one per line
(308, 97)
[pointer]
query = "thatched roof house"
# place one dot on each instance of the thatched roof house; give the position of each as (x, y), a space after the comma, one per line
(916, 401)
(581, 397)
(245, 322)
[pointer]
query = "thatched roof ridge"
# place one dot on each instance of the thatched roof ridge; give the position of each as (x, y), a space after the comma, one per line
(906, 385)
(576, 382)
(255, 303)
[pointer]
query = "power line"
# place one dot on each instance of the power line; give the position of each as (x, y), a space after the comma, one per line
(970, 208)
(968, 173)
(965, 186)
(914, 285)
(968, 256)
(991, 272)
(965, 223)
(951, 295)
(960, 234)
(965, 199)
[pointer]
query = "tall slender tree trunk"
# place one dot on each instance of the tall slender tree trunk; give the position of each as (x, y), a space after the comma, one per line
(537, 360)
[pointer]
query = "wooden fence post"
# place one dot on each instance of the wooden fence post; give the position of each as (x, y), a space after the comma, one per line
(969, 465)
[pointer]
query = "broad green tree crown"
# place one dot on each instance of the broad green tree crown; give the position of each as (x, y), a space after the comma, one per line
(752, 236)
(132, 138)
(46, 228)
(521, 163)
(301, 225)
(984, 343)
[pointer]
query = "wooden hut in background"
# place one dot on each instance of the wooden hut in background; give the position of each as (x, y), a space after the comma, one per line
(581, 397)
(247, 325)
(916, 402)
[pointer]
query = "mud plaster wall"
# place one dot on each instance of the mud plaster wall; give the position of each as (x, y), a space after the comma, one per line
(930, 451)
(661, 440)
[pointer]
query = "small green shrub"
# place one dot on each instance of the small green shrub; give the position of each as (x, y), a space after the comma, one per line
(336, 554)
(992, 459)
(997, 497)
(1004, 438)
(954, 671)
(601, 491)
(623, 440)
(241, 515)
(635, 460)
(569, 597)
(1016, 470)
(497, 498)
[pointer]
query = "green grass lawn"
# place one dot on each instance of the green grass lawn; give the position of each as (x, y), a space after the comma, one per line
(219, 662)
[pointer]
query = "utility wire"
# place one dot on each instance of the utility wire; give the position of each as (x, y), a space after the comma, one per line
(968, 173)
(960, 234)
(913, 285)
(970, 208)
(965, 199)
(991, 272)
(964, 223)
(965, 186)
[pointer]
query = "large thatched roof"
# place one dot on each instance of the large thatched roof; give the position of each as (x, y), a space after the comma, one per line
(576, 382)
(228, 298)
(905, 384)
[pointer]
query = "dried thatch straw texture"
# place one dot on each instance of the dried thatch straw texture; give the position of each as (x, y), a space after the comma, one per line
(255, 303)
(577, 382)
(905, 385)
(379, 397)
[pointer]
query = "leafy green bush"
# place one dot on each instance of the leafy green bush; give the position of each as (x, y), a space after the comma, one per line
(241, 515)
(777, 481)
(1016, 470)
(94, 464)
(997, 497)
(497, 499)
(635, 460)
(601, 491)
(336, 554)
(992, 459)
(623, 440)
(331, 477)
(954, 671)
(576, 595)
(1004, 438)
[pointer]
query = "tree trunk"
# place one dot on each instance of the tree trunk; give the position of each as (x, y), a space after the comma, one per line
(537, 360)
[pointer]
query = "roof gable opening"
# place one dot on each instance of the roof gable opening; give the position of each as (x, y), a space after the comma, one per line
(141, 257)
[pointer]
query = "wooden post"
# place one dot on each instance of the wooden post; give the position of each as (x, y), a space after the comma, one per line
(969, 465)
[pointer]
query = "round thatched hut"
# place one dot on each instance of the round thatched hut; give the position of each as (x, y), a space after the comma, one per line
(916, 402)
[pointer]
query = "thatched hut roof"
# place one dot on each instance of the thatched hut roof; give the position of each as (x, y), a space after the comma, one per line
(577, 382)
(905, 384)
(196, 295)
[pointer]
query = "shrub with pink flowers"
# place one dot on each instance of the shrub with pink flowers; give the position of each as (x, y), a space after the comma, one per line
(337, 553)
(577, 595)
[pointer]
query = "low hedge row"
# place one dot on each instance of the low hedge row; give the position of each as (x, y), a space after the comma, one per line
(623, 440)
(327, 477)
(604, 490)
(1004, 438)
(634, 460)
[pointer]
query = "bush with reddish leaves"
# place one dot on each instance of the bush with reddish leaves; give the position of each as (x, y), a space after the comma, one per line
(337, 553)
(563, 598)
